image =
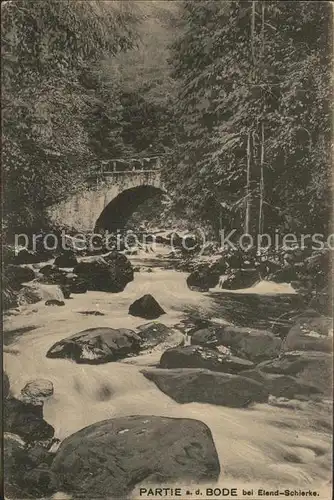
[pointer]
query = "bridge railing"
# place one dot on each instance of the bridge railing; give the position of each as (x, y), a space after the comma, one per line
(121, 165)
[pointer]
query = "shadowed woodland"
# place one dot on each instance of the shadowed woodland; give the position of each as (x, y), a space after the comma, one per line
(235, 96)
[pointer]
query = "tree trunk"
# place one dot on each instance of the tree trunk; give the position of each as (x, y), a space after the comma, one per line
(253, 12)
(255, 174)
(251, 225)
(248, 191)
(261, 215)
(261, 194)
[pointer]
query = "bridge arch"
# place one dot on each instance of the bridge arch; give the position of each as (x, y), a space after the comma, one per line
(116, 214)
(110, 196)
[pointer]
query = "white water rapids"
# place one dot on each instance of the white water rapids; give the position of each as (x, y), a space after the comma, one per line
(263, 445)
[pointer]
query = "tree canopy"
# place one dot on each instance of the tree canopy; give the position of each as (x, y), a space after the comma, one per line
(52, 94)
(254, 86)
(235, 95)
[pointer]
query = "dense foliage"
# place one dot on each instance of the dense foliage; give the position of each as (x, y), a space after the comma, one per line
(53, 96)
(254, 97)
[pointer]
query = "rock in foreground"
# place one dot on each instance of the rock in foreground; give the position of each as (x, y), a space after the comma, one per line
(146, 307)
(194, 356)
(97, 345)
(109, 458)
(189, 385)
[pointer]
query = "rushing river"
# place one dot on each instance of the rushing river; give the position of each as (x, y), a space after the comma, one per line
(261, 445)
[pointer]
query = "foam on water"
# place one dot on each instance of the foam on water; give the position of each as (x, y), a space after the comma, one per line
(263, 444)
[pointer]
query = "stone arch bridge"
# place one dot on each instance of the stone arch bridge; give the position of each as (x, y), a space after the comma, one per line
(112, 194)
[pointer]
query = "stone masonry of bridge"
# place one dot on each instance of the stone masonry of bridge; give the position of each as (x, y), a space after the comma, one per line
(113, 194)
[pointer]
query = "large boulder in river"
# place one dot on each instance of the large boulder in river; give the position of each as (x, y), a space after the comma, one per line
(34, 292)
(205, 337)
(109, 458)
(157, 334)
(37, 391)
(311, 332)
(308, 367)
(146, 307)
(66, 259)
(120, 262)
(26, 420)
(203, 278)
(250, 343)
(188, 385)
(110, 273)
(97, 345)
(193, 356)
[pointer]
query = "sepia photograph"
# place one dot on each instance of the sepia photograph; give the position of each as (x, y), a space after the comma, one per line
(167, 249)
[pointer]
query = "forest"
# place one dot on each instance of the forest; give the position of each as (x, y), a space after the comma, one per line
(235, 96)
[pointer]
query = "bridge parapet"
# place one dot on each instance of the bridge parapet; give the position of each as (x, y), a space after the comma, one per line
(121, 165)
